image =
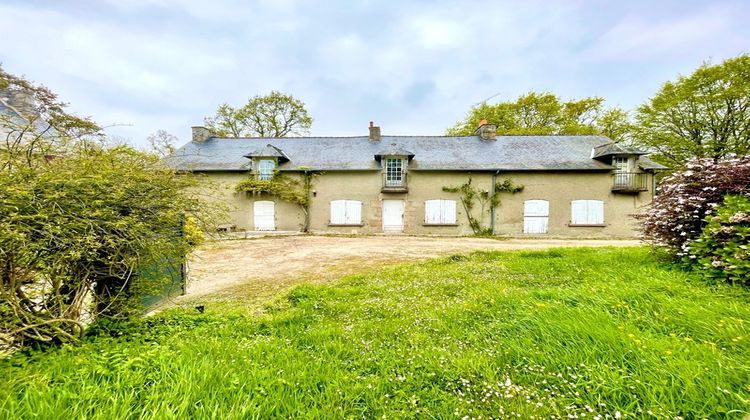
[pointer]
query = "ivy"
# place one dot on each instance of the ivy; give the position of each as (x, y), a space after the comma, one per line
(471, 194)
(283, 188)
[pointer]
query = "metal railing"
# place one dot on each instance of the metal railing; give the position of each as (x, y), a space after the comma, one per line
(630, 182)
(394, 183)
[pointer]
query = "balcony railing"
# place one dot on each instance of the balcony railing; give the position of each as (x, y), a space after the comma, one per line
(395, 183)
(630, 182)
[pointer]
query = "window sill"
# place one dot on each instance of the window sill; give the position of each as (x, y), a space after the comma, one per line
(594, 225)
(439, 224)
(345, 224)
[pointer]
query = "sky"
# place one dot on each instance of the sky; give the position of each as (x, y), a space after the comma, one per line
(413, 67)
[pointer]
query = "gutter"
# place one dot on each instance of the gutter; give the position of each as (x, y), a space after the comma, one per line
(492, 209)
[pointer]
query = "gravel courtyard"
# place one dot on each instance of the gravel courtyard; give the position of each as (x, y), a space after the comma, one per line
(258, 269)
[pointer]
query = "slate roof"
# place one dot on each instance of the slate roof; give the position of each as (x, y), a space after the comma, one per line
(269, 151)
(506, 153)
(611, 149)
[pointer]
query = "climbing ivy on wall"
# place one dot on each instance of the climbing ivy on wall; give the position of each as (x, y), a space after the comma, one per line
(284, 188)
(487, 200)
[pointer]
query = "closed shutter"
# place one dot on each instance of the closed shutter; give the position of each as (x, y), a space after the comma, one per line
(440, 212)
(587, 212)
(338, 212)
(353, 212)
(346, 212)
(535, 216)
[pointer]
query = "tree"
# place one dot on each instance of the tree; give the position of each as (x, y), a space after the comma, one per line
(546, 114)
(273, 115)
(162, 142)
(80, 221)
(704, 115)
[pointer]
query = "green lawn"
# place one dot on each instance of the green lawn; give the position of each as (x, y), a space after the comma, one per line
(501, 334)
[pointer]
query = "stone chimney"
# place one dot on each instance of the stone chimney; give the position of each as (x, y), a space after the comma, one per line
(486, 131)
(374, 132)
(201, 134)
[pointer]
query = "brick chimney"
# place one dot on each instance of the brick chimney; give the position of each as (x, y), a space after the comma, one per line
(201, 134)
(374, 132)
(486, 131)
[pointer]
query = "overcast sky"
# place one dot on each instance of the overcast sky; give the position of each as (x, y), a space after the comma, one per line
(414, 67)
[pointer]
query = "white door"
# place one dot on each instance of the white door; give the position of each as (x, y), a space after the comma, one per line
(393, 215)
(264, 215)
(535, 216)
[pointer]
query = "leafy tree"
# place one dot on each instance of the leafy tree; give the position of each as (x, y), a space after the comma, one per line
(80, 220)
(162, 142)
(272, 115)
(704, 115)
(546, 114)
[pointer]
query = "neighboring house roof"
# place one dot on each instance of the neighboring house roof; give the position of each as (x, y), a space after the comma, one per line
(468, 153)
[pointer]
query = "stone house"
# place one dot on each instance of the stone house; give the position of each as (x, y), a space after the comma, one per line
(573, 186)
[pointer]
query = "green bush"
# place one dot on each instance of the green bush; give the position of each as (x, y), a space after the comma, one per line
(722, 251)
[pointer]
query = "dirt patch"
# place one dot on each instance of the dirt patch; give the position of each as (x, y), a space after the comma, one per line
(258, 269)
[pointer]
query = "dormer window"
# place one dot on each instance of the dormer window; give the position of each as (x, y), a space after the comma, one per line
(266, 167)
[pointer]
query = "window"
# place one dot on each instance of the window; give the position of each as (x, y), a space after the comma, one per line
(394, 176)
(620, 163)
(535, 216)
(587, 212)
(346, 212)
(266, 168)
(440, 212)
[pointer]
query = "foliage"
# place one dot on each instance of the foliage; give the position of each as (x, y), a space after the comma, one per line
(79, 221)
(487, 199)
(284, 188)
(677, 215)
(162, 142)
(272, 115)
(722, 251)
(546, 114)
(43, 128)
(704, 115)
(560, 333)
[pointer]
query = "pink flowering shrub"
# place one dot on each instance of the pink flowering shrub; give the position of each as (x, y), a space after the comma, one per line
(722, 251)
(679, 211)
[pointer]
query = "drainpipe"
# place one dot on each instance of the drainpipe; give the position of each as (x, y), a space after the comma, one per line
(492, 209)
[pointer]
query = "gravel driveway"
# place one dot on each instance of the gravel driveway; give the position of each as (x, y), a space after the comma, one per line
(258, 269)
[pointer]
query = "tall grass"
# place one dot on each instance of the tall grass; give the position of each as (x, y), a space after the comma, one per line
(607, 332)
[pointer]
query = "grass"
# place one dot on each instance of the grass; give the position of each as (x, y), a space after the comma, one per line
(589, 332)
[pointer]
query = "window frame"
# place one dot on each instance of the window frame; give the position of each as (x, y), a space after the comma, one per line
(443, 219)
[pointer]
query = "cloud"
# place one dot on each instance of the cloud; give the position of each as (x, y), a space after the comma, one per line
(415, 67)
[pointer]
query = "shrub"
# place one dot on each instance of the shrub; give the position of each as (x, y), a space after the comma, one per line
(679, 211)
(722, 251)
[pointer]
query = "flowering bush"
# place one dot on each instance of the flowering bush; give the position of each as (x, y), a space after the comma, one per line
(679, 211)
(723, 249)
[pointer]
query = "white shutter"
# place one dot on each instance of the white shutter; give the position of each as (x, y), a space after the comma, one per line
(432, 212)
(338, 212)
(353, 212)
(535, 216)
(596, 212)
(578, 214)
(449, 212)
(587, 212)
(440, 212)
